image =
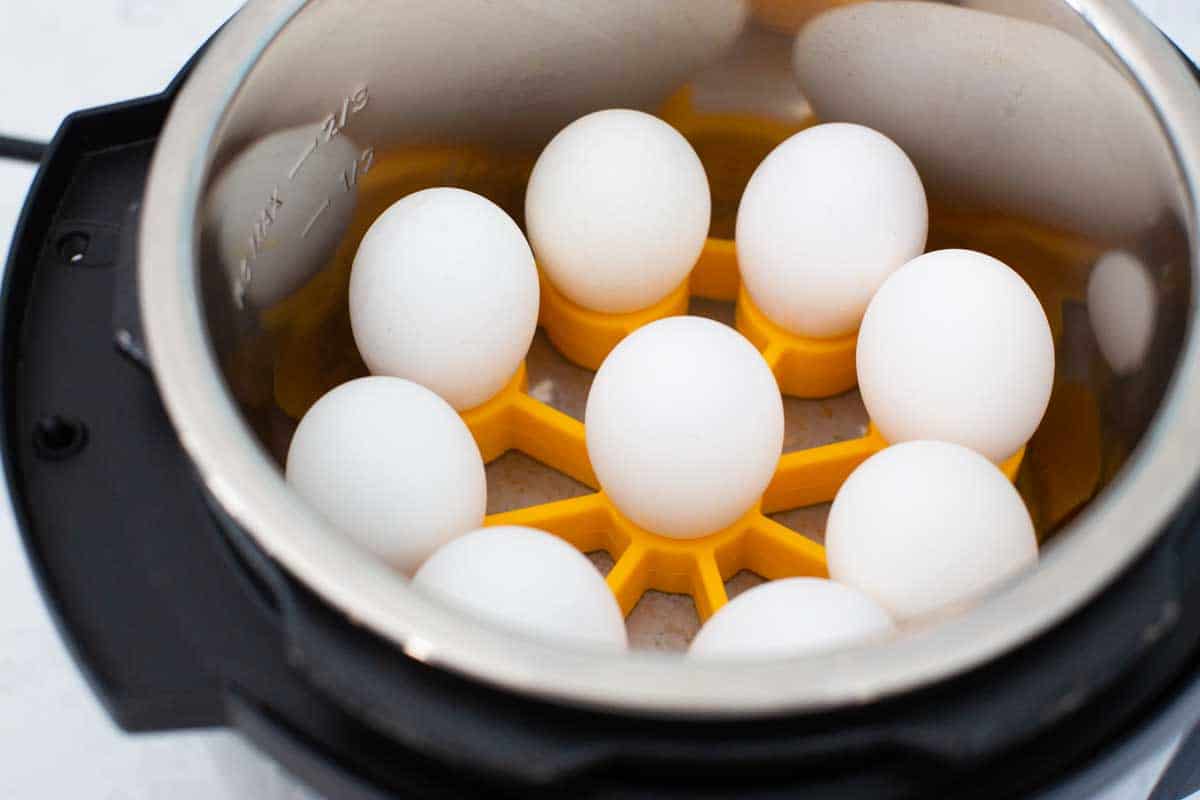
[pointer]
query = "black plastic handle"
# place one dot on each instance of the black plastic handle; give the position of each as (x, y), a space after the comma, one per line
(21, 149)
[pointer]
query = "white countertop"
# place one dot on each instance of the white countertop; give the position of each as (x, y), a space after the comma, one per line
(56, 57)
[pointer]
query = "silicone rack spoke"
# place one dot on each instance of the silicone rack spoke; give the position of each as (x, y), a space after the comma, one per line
(552, 437)
(808, 477)
(513, 420)
(628, 578)
(584, 522)
(709, 589)
(775, 551)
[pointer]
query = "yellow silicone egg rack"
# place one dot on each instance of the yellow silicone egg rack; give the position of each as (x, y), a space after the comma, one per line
(318, 353)
(643, 560)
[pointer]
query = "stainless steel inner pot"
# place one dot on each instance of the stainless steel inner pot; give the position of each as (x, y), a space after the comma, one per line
(1070, 116)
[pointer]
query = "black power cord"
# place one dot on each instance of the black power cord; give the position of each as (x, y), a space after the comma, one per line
(21, 149)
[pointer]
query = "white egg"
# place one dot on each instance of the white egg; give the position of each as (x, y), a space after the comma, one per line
(925, 526)
(956, 347)
(825, 219)
(617, 210)
(529, 581)
(392, 465)
(1123, 308)
(791, 617)
(444, 292)
(684, 426)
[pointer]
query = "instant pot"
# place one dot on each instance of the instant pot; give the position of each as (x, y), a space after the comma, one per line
(141, 432)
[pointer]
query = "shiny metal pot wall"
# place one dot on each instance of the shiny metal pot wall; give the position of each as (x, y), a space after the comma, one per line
(1076, 118)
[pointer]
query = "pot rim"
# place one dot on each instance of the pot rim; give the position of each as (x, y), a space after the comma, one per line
(239, 474)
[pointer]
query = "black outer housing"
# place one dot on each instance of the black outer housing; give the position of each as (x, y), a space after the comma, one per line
(179, 620)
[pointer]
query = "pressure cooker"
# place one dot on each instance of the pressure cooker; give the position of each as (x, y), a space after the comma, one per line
(142, 435)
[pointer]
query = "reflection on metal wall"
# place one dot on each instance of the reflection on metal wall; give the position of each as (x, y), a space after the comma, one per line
(998, 113)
